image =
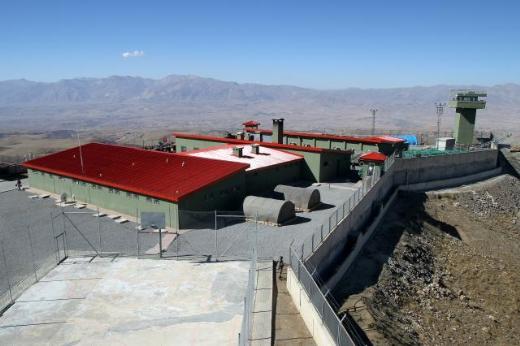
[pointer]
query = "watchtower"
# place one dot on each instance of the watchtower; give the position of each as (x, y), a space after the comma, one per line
(466, 103)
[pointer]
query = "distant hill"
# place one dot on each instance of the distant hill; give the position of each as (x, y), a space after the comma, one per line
(184, 101)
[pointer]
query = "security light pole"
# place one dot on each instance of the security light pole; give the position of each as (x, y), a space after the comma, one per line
(373, 111)
(440, 110)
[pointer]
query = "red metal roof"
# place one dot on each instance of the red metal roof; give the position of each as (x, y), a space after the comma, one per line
(354, 139)
(373, 156)
(156, 174)
(265, 144)
(251, 123)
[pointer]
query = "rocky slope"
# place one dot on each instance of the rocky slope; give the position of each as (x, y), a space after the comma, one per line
(443, 269)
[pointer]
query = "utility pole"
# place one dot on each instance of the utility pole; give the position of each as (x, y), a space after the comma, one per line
(440, 111)
(373, 111)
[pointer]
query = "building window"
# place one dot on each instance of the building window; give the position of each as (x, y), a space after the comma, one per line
(136, 196)
(128, 194)
(195, 148)
(149, 199)
(325, 164)
(183, 148)
(156, 201)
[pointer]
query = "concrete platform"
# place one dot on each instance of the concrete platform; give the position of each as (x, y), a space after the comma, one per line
(124, 301)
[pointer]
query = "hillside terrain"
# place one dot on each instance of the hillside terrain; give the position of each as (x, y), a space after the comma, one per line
(442, 269)
(188, 102)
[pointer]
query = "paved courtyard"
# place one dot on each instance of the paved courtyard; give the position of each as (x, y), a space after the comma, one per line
(125, 301)
(236, 239)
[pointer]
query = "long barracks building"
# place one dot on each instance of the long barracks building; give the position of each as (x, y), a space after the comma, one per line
(384, 144)
(131, 180)
(319, 164)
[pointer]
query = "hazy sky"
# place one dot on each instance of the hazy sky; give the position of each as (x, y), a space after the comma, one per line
(321, 44)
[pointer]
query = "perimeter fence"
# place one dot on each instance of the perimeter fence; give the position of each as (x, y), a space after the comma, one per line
(246, 330)
(28, 250)
(213, 234)
(343, 330)
(308, 245)
(324, 304)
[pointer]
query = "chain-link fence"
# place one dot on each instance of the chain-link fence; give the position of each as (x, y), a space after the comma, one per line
(29, 249)
(323, 302)
(308, 245)
(213, 235)
(93, 233)
(247, 318)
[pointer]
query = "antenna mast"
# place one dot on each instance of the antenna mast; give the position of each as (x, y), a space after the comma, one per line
(440, 111)
(373, 111)
(80, 154)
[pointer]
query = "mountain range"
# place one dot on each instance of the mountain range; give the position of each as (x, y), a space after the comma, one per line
(179, 101)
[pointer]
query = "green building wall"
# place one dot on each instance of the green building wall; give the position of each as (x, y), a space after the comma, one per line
(224, 195)
(266, 179)
(318, 167)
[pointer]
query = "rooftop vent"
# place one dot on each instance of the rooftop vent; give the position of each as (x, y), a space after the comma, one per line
(255, 149)
(238, 151)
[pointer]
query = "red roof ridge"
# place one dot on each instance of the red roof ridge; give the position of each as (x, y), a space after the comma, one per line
(373, 156)
(266, 144)
(367, 139)
(143, 174)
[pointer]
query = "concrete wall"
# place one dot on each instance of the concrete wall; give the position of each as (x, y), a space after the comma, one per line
(308, 312)
(347, 239)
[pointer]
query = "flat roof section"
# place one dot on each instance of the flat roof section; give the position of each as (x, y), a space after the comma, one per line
(267, 157)
(155, 174)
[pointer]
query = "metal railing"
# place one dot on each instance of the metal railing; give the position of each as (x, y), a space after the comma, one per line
(311, 282)
(458, 149)
(312, 242)
(246, 330)
(319, 300)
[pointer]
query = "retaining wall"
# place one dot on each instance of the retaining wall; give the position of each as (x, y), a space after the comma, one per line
(340, 248)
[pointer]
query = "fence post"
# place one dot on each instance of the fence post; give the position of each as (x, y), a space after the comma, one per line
(256, 234)
(99, 232)
(6, 271)
(32, 252)
(216, 238)
(160, 242)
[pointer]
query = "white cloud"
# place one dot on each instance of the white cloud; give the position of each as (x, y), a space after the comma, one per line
(134, 54)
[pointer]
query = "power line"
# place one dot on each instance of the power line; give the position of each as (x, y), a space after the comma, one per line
(80, 155)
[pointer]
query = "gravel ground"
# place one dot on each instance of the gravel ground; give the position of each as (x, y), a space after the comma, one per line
(442, 269)
(235, 240)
